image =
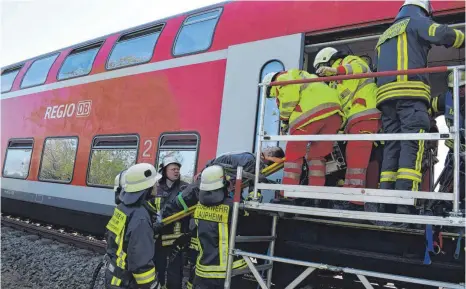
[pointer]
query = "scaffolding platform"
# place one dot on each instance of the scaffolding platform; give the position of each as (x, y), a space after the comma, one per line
(455, 218)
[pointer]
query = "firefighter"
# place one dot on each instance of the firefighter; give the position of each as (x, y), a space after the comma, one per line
(404, 99)
(168, 187)
(305, 109)
(443, 105)
(213, 218)
(130, 241)
(358, 98)
(190, 195)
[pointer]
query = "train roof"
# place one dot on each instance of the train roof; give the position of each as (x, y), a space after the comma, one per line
(138, 27)
(444, 10)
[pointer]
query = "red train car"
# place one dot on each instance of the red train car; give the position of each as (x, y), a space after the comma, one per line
(185, 85)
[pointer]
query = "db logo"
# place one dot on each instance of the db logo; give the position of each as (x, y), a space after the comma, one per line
(84, 108)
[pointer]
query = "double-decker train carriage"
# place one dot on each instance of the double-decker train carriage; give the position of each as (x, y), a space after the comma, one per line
(187, 86)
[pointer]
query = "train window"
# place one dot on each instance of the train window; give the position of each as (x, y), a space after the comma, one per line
(58, 158)
(37, 73)
(272, 115)
(8, 77)
(109, 156)
(196, 33)
(183, 147)
(79, 61)
(18, 158)
(135, 47)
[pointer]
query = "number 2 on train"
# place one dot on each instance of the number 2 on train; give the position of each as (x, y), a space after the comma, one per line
(146, 153)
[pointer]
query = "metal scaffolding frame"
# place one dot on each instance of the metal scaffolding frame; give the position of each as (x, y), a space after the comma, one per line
(455, 218)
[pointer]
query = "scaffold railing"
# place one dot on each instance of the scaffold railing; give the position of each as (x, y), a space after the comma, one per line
(455, 217)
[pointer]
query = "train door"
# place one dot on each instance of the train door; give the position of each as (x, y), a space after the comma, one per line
(246, 65)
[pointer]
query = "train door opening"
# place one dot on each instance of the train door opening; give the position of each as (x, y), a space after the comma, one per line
(246, 65)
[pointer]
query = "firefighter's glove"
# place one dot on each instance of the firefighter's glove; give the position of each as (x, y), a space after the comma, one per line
(157, 227)
(250, 197)
(284, 126)
(180, 244)
(326, 71)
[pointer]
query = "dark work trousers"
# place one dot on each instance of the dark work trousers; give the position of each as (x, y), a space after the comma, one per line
(169, 276)
(402, 160)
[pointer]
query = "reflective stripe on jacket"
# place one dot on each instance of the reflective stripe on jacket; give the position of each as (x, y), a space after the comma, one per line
(405, 45)
(130, 247)
(301, 104)
(358, 96)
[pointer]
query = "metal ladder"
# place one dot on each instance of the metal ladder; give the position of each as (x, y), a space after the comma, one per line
(455, 218)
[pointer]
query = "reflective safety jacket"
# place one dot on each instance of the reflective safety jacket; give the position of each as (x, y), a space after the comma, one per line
(405, 45)
(185, 199)
(358, 96)
(130, 248)
(443, 105)
(301, 104)
(213, 228)
(171, 232)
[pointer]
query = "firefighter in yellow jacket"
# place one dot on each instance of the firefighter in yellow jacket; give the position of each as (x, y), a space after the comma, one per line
(305, 109)
(358, 98)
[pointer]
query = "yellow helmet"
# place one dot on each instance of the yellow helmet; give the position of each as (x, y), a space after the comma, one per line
(461, 80)
(140, 177)
(212, 178)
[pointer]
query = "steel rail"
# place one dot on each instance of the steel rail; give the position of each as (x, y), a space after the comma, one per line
(66, 238)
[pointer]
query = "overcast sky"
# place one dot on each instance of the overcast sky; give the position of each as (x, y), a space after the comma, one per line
(33, 27)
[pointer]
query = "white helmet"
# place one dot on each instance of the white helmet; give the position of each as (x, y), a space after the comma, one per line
(119, 181)
(324, 56)
(139, 177)
(167, 161)
(424, 4)
(451, 79)
(212, 178)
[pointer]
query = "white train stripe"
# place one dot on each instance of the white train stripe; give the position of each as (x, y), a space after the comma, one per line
(53, 190)
(137, 69)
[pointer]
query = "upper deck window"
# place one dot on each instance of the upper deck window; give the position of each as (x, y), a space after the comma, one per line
(8, 77)
(135, 47)
(79, 62)
(196, 33)
(37, 73)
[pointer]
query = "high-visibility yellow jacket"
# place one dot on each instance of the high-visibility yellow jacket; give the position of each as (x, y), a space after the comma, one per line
(301, 104)
(358, 96)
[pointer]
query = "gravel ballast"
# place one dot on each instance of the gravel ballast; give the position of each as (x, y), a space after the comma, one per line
(29, 261)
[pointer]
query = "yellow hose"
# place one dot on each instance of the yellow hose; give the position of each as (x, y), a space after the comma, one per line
(275, 167)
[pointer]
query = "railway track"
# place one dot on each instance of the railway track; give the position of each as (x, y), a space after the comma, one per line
(73, 239)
